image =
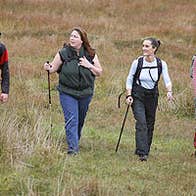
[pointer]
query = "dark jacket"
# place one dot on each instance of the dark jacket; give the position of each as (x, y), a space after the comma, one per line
(75, 80)
(5, 76)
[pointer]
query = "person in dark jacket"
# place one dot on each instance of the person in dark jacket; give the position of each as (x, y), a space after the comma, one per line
(5, 75)
(77, 65)
(142, 94)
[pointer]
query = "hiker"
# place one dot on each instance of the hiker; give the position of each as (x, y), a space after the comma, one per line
(194, 142)
(77, 65)
(142, 93)
(194, 81)
(5, 75)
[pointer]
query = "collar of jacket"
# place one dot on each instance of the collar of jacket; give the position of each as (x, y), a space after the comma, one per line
(81, 51)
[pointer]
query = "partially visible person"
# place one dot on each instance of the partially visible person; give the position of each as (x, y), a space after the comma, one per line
(194, 87)
(195, 142)
(194, 81)
(77, 65)
(142, 93)
(5, 75)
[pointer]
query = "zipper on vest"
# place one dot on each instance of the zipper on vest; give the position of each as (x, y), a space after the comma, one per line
(79, 73)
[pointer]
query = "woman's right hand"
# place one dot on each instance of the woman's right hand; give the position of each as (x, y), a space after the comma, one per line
(54, 65)
(129, 99)
(47, 66)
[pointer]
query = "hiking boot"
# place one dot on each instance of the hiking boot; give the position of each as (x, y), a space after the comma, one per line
(143, 157)
(72, 153)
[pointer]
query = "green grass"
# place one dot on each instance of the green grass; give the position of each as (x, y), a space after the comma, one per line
(98, 170)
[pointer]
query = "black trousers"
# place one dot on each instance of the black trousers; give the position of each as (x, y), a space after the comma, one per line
(144, 107)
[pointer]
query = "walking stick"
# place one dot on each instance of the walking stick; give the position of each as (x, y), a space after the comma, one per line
(121, 131)
(49, 98)
(124, 120)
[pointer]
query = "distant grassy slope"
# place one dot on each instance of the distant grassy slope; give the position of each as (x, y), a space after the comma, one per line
(33, 159)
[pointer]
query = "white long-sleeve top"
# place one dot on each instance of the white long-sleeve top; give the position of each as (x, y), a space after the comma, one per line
(145, 79)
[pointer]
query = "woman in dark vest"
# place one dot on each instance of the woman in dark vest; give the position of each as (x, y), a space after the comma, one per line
(77, 65)
(142, 93)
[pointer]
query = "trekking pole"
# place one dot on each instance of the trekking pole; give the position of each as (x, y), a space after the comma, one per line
(124, 120)
(121, 131)
(49, 98)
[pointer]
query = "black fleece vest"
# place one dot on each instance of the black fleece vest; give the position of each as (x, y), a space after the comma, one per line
(75, 80)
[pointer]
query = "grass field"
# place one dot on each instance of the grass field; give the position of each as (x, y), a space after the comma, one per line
(33, 159)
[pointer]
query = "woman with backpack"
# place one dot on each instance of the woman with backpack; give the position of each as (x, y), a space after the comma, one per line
(142, 93)
(77, 65)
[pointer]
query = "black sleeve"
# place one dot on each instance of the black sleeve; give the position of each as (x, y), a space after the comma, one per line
(5, 75)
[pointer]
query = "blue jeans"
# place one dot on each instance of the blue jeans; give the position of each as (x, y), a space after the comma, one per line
(75, 111)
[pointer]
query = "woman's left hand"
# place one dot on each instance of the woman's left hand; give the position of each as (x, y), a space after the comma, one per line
(170, 96)
(3, 97)
(84, 62)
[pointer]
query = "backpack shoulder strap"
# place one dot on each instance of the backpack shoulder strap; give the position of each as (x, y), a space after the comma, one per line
(140, 66)
(138, 70)
(159, 65)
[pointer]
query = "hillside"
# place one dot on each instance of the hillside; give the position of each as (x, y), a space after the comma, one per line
(33, 159)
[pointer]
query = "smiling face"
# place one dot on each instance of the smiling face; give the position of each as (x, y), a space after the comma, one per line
(147, 48)
(75, 40)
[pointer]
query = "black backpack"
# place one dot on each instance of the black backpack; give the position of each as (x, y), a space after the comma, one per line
(140, 67)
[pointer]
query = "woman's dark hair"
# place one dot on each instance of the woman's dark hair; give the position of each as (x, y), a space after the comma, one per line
(155, 43)
(86, 43)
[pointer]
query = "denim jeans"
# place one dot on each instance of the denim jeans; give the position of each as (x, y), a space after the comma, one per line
(74, 111)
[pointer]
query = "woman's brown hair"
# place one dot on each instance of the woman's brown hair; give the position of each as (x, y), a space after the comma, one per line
(86, 43)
